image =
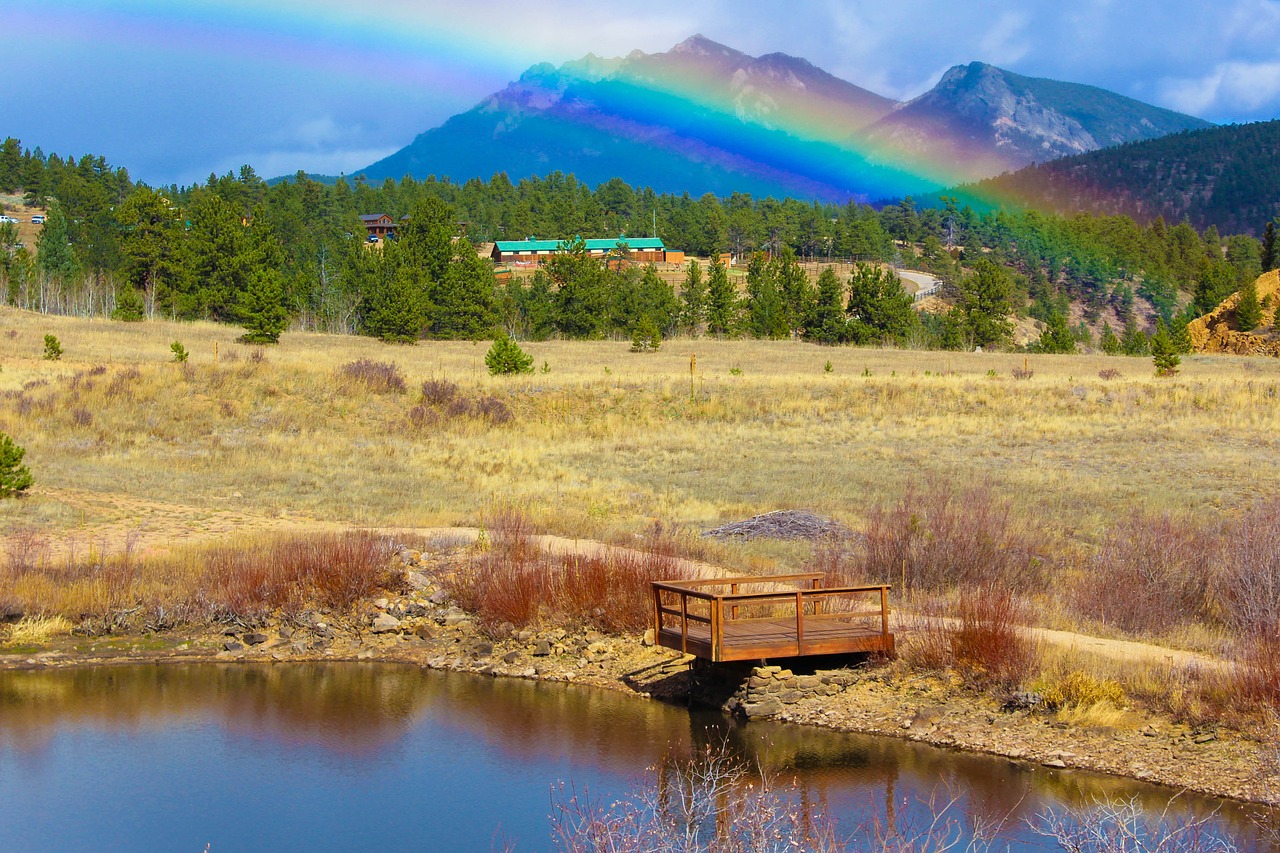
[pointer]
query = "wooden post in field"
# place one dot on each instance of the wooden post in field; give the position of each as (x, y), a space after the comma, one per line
(693, 368)
(215, 350)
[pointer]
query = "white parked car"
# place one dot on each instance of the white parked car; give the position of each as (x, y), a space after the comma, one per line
(38, 219)
(8, 219)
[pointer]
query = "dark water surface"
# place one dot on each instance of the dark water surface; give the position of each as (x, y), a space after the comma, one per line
(377, 757)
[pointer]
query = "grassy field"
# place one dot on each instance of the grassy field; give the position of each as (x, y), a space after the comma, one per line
(606, 441)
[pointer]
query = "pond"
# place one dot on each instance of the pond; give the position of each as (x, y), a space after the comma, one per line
(360, 756)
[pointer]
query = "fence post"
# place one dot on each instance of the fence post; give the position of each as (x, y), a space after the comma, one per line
(884, 611)
(800, 621)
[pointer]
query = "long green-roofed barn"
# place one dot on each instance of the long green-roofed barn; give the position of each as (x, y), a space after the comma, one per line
(536, 252)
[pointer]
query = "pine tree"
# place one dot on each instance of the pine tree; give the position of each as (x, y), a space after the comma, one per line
(263, 308)
(1269, 259)
(693, 299)
(1248, 311)
(15, 478)
(766, 314)
(395, 306)
(878, 306)
(722, 301)
(1162, 351)
(1056, 337)
(828, 325)
(1108, 342)
(53, 246)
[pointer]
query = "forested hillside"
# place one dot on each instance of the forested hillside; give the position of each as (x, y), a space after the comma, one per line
(1224, 176)
(237, 250)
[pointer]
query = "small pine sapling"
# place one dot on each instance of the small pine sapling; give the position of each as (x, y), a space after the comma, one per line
(505, 357)
(1163, 352)
(179, 351)
(15, 478)
(646, 337)
(52, 348)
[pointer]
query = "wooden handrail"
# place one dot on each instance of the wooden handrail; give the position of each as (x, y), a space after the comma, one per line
(740, 580)
(723, 607)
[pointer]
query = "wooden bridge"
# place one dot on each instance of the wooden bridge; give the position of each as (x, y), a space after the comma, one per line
(782, 616)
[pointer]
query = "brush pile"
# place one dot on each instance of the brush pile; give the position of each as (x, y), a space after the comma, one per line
(782, 524)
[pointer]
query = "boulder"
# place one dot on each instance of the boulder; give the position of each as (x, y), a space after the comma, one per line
(255, 638)
(385, 623)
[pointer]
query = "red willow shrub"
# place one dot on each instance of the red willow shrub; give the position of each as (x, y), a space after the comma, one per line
(934, 539)
(517, 583)
(1164, 566)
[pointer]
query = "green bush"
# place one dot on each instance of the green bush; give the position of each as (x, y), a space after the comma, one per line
(506, 357)
(15, 478)
(179, 351)
(52, 348)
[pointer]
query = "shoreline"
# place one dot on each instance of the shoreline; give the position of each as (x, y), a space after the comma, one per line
(881, 701)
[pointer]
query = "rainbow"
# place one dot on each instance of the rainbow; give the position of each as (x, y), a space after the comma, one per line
(808, 148)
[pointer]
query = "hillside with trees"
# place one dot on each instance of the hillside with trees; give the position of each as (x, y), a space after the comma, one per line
(1227, 177)
(237, 250)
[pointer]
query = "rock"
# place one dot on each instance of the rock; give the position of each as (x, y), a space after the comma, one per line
(455, 617)
(648, 639)
(768, 706)
(381, 603)
(233, 646)
(423, 631)
(511, 657)
(790, 697)
(1056, 763)
(255, 638)
(439, 597)
(524, 636)
(385, 623)
(541, 649)
(414, 611)
(286, 633)
(481, 649)
(417, 580)
(1204, 738)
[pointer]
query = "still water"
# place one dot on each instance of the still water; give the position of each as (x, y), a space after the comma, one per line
(355, 757)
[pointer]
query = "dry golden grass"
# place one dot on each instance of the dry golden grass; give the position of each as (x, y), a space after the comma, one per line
(36, 630)
(607, 441)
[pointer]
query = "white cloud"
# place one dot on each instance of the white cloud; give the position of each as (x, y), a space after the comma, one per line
(1005, 42)
(1230, 88)
(273, 163)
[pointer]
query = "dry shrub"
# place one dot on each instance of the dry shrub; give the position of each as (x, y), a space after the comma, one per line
(438, 392)
(379, 377)
(1257, 671)
(1079, 689)
(329, 570)
(978, 635)
(1022, 373)
(515, 582)
(1164, 567)
(1250, 576)
(493, 410)
(936, 539)
(1109, 373)
(422, 418)
(987, 644)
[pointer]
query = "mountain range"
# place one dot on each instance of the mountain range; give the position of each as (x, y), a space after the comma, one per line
(703, 117)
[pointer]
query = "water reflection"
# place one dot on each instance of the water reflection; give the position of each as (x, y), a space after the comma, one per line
(400, 728)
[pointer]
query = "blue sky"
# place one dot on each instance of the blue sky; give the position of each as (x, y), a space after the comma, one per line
(176, 89)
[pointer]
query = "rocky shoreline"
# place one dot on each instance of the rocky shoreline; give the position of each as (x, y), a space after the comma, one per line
(423, 628)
